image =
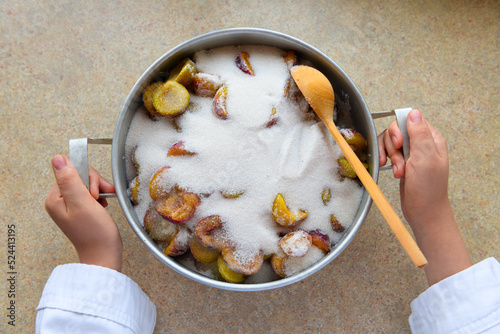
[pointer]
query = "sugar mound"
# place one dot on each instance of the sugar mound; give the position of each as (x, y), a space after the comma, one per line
(295, 157)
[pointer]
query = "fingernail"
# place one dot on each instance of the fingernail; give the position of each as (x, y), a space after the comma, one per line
(415, 116)
(58, 162)
(394, 140)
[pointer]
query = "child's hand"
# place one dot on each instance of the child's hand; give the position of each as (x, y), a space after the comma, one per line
(424, 178)
(83, 219)
(424, 195)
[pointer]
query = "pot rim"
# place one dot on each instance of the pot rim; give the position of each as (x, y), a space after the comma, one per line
(238, 36)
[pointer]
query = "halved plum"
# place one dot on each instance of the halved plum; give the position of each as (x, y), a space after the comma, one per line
(178, 206)
(210, 232)
(201, 252)
(296, 243)
(158, 185)
(158, 228)
(170, 99)
(249, 267)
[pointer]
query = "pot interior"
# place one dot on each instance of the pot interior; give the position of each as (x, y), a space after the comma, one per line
(344, 89)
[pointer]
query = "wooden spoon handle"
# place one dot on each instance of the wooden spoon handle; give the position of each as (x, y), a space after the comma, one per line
(402, 234)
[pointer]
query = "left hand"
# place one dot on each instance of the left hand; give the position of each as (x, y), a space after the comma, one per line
(82, 217)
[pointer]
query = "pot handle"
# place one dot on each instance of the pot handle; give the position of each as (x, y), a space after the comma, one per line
(78, 155)
(401, 115)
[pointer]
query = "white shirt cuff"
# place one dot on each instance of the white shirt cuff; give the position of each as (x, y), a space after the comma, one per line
(99, 292)
(467, 302)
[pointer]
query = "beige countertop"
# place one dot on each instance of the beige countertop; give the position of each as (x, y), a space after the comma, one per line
(66, 68)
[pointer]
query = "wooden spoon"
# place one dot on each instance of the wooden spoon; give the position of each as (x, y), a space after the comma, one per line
(319, 93)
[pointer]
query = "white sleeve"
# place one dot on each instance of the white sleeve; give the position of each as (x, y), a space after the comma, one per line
(80, 298)
(467, 302)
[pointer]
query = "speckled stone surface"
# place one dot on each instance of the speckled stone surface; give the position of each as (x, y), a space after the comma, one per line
(66, 68)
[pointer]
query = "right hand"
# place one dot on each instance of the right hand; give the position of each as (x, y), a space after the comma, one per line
(424, 195)
(424, 177)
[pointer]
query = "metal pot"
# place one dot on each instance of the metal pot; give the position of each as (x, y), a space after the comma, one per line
(341, 83)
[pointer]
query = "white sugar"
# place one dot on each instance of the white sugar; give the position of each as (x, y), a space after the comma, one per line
(295, 157)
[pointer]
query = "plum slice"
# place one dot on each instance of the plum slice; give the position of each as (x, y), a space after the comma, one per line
(179, 244)
(326, 196)
(291, 59)
(321, 240)
(133, 156)
(134, 190)
(184, 72)
(219, 103)
(243, 63)
(179, 149)
(273, 119)
(283, 216)
(231, 194)
(336, 226)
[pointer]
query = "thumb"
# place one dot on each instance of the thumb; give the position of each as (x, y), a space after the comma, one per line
(421, 139)
(67, 179)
